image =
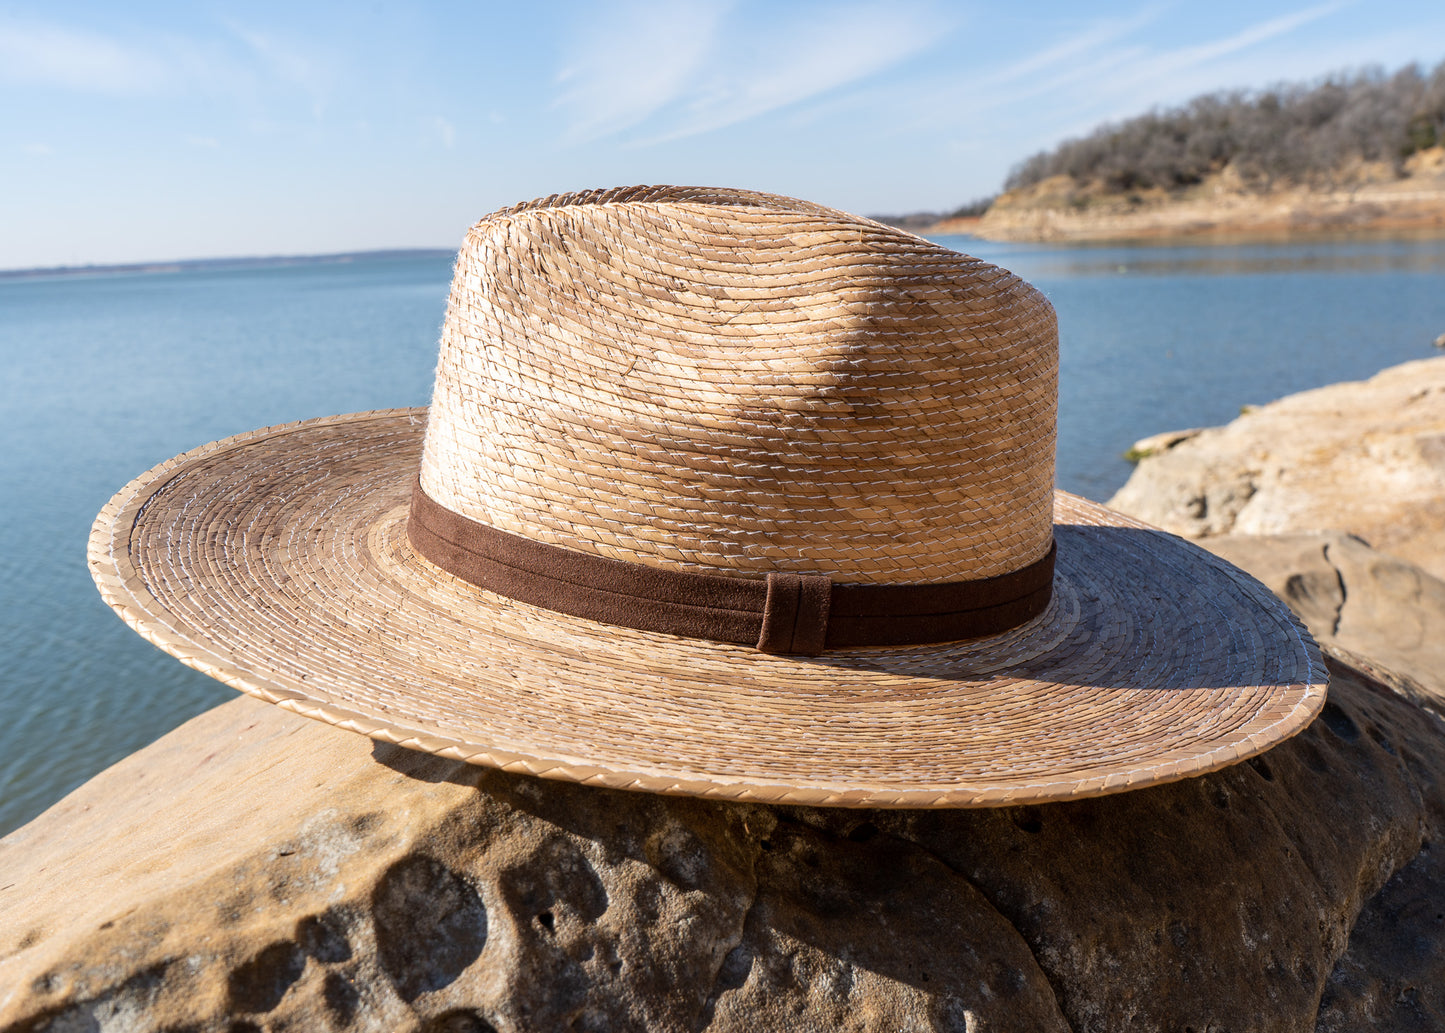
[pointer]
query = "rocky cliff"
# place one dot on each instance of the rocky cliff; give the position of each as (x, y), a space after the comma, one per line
(1374, 199)
(1364, 458)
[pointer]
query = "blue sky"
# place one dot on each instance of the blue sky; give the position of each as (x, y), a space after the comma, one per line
(148, 130)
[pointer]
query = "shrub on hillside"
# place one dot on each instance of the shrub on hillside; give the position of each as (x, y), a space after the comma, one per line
(1307, 134)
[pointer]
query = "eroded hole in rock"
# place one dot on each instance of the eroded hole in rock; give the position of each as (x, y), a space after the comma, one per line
(1380, 740)
(323, 937)
(1219, 796)
(341, 997)
(1308, 749)
(117, 1007)
(1339, 722)
(259, 984)
(460, 1021)
(430, 925)
(734, 971)
(243, 1026)
(557, 887)
(1027, 820)
(1261, 768)
(863, 833)
(736, 968)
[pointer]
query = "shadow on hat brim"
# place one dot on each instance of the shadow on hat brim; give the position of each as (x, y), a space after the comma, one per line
(277, 562)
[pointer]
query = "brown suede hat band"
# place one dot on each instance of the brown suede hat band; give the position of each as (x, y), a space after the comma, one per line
(786, 613)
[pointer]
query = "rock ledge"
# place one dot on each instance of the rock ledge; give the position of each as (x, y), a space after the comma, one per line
(254, 870)
(1364, 458)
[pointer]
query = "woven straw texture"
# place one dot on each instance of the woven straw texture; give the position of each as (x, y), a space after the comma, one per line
(739, 383)
(725, 382)
(278, 563)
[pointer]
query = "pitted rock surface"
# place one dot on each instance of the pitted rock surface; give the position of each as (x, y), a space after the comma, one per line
(257, 871)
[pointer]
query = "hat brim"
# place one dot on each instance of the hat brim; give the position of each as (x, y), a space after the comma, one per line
(278, 563)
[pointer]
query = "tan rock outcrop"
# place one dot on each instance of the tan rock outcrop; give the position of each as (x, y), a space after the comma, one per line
(254, 870)
(1371, 199)
(1365, 458)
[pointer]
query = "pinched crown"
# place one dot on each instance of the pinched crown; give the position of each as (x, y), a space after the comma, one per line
(732, 382)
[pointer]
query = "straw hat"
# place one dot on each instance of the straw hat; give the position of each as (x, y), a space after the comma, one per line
(723, 494)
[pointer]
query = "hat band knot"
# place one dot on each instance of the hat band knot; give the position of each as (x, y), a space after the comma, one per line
(786, 613)
(795, 614)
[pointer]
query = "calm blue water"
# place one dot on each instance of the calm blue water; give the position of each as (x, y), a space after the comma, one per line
(108, 375)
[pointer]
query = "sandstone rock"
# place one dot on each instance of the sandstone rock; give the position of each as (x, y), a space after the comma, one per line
(254, 870)
(1377, 200)
(1388, 615)
(1156, 443)
(1365, 458)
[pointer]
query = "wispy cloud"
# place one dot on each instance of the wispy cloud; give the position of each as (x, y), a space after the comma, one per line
(38, 150)
(680, 70)
(1122, 81)
(246, 65)
(1174, 61)
(1067, 52)
(1108, 70)
(640, 59)
(285, 63)
(35, 53)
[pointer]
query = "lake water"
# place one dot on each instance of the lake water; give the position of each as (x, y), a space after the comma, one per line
(107, 375)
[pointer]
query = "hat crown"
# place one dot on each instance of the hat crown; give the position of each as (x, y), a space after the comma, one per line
(732, 382)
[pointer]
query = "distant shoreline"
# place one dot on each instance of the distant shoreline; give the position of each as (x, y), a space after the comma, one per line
(963, 225)
(218, 264)
(1378, 202)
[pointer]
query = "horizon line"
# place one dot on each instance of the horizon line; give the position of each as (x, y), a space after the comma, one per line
(176, 265)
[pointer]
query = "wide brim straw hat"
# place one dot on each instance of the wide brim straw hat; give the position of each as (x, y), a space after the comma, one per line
(722, 494)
